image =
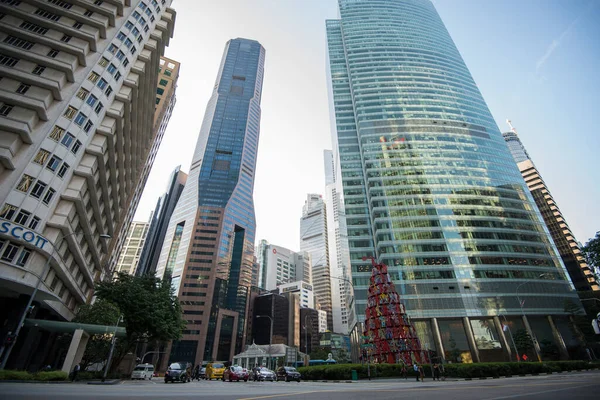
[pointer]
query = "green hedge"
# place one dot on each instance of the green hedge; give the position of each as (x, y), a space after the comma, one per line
(47, 376)
(478, 370)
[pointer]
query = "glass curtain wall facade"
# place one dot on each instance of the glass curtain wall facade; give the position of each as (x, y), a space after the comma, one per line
(208, 252)
(429, 185)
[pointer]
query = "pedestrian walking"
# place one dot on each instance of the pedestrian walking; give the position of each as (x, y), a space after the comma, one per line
(75, 372)
(422, 373)
(403, 373)
(436, 371)
(416, 369)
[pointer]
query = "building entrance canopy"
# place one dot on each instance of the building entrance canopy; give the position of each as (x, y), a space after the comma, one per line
(68, 327)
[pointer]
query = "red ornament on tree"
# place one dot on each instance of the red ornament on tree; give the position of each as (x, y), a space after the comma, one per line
(388, 331)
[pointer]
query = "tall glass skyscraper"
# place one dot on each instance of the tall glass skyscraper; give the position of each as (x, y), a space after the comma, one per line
(208, 252)
(431, 189)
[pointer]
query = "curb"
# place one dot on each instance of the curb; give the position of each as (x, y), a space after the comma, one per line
(113, 382)
(39, 382)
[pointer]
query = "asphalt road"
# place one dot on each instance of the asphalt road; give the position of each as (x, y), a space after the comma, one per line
(583, 385)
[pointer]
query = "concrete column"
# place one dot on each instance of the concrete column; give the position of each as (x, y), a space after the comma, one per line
(471, 339)
(536, 345)
(76, 350)
(562, 347)
(437, 338)
(506, 345)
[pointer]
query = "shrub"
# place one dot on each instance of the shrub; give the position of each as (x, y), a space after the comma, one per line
(47, 376)
(12, 375)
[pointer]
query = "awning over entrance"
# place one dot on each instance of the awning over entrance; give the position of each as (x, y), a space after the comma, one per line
(68, 327)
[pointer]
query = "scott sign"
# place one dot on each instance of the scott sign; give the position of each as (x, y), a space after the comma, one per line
(22, 233)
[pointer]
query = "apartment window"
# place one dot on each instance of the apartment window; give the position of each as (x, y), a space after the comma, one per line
(80, 119)
(88, 13)
(88, 126)
(121, 36)
(146, 29)
(67, 140)
(62, 4)
(40, 30)
(10, 252)
(77, 25)
(125, 62)
(76, 147)
(56, 133)
(98, 2)
(66, 38)
(103, 62)
(25, 183)
(5, 109)
(8, 212)
(108, 91)
(48, 196)
(142, 5)
(143, 21)
(54, 283)
(91, 101)
(22, 217)
(23, 88)
(63, 170)
(157, 100)
(129, 25)
(163, 82)
(41, 157)
(148, 12)
(160, 91)
(82, 93)
(38, 70)
(120, 55)
(13, 41)
(136, 15)
(98, 108)
(61, 292)
(117, 76)
(152, 18)
(70, 112)
(136, 32)
(23, 257)
(38, 189)
(102, 83)
(133, 50)
(53, 163)
(168, 72)
(139, 39)
(128, 42)
(111, 69)
(8, 61)
(112, 48)
(35, 221)
(52, 53)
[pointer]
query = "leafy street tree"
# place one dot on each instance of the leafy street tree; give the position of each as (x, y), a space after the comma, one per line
(150, 309)
(523, 342)
(320, 353)
(591, 250)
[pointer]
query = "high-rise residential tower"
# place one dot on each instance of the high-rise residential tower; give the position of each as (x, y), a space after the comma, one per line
(431, 190)
(208, 252)
(77, 97)
(159, 223)
(313, 240)
(132, 248)
(581, 274)
(339, 256)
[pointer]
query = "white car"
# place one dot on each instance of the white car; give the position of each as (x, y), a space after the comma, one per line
(143, 371)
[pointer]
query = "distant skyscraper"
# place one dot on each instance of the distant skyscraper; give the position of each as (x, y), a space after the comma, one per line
(431, 190)
(77, 82)
(159, 223)
(279, 265)
(208, 252)
(339, 256)
(132, 248)
(313, 240)
(581, 274)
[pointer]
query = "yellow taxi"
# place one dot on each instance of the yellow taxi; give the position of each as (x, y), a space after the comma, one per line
(215, 371)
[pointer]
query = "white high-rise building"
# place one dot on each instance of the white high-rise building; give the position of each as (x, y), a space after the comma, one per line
(304, 291)
(77, 98)
(132, 248)
(313, 239)
(279, 266)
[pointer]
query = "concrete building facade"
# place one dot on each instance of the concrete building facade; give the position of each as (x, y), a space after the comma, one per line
(132, 248)
(302, 289)
(76, 126)
(279, 265)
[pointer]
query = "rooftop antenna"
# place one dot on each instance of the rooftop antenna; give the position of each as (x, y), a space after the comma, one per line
(512, 128)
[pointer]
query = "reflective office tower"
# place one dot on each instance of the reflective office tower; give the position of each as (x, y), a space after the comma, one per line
(159, 221)
(77, 97)
(581, 274)
(132, 247)
(431, 190)
(313, 240)
(279, 265)
(208, 252)
(339, 256)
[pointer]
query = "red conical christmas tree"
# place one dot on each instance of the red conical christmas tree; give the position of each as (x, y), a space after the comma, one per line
(389, 335)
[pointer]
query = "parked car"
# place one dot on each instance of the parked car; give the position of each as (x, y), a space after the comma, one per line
(265, 374)
(202, 373)
(215, 371)
(235, 373)
(177, 372)
(143, 371)
(288, 374)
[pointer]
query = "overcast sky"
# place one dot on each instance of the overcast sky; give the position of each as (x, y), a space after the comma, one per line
(536, 63)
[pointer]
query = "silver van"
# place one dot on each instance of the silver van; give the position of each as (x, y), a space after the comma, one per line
(143, 371)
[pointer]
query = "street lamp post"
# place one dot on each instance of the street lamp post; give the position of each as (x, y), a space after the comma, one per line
(112, 348)
(270, 336)
(32, 297)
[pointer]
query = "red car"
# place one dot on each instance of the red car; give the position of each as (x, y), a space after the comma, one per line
(235, 373)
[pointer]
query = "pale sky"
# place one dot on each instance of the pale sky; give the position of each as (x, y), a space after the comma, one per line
(535, 62)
